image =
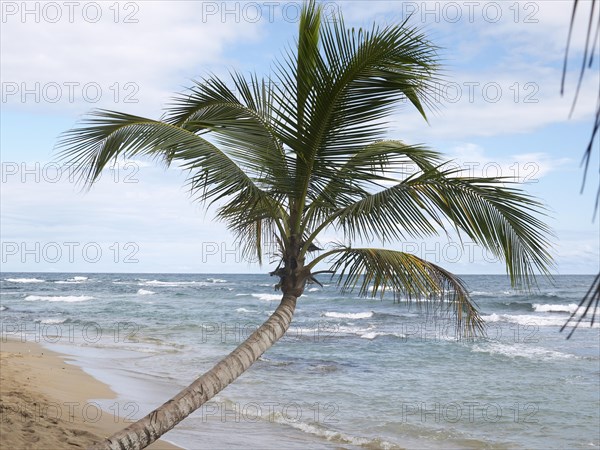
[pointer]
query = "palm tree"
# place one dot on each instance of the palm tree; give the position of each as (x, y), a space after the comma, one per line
(303, 151)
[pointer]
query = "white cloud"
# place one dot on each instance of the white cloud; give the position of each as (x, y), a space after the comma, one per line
(146, 214)
(523, 167)
(578, 253)
(110, 63)
(501, 103)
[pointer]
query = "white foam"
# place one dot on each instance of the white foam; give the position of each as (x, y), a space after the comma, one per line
(520, 350)
(374, 334)
(243, 310)
(216, 280)
(315, 289)
(145, 292)
(3, 308)
(268, 297)
(79, 278)
(338, 315)
(529, 319)
(570, 308)
(53, 321)
(66, 298)
(333, 436)
(24, 280)
(483, 293)
(74, 280)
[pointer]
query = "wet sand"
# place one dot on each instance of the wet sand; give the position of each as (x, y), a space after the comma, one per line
(46, 403)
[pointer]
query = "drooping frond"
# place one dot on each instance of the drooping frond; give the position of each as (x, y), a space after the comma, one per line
(588, 308)
(376, 271)
(213, 174)
(502, 219)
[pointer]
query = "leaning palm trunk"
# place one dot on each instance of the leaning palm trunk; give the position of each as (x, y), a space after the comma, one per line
(147, 430)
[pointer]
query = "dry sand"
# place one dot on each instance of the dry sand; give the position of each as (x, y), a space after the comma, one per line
(46, 403)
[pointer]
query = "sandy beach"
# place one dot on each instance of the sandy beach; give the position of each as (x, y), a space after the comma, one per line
(46, 403)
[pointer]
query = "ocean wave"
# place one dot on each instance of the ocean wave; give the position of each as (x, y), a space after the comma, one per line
(24, 280)
(520, 350)
(570, 308)
(319, 430)
(528, 319)
(375, 334)
(243, 310)
(66, 298)
(74, 280)
(338, 315)
(145, 292)
(315, 289)
(358, 331)
(3, 308)
(52, 321)
(326, 332)
(484, 293)
(216, 280)
(521, 306)
(267, 297)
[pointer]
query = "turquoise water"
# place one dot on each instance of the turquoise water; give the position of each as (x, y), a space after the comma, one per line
(351, 373)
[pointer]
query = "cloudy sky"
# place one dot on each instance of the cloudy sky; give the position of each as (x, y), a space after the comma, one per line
(502, 115)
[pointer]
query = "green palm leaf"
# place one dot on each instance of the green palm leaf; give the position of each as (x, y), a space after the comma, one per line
(214, 175)
(377, 271)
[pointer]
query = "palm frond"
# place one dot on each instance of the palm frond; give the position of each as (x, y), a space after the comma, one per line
(588, 305)
(242, 125)
(331, 102)
(213, 174)
(503, 220)
(376, 271)
(345, 188)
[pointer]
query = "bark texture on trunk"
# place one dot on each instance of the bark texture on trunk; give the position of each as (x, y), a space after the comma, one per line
(147, 430)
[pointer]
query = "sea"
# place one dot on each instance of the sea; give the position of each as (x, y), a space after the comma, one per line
(351, 373)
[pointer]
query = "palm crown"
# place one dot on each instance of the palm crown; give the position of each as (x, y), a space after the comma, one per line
(303, 150)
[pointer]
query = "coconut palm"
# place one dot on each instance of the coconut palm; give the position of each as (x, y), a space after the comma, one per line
(288, 157)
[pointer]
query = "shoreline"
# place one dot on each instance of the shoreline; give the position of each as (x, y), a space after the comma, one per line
(46, 401)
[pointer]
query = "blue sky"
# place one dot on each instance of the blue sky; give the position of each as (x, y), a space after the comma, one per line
(503, 115)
